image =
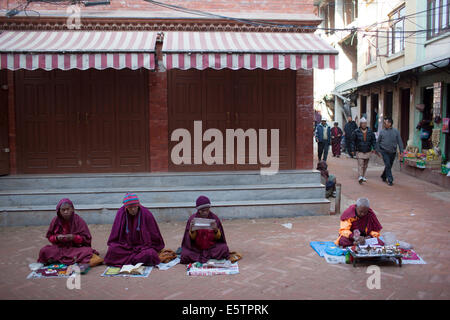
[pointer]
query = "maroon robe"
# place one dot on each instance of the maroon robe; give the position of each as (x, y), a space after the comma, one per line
(365, 225)
(336, 141)
(77, 251)
(191, 251)
(134, 239)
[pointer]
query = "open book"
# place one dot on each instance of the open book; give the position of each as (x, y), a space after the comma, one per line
(130, 269)
(213, 263)
(201, 223)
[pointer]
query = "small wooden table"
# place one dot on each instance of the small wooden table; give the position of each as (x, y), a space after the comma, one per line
(367, 257)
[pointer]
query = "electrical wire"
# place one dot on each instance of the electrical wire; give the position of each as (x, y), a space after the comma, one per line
(361, 30)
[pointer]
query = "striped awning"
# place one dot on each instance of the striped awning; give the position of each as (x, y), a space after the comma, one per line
(82, 50)
(247, 50)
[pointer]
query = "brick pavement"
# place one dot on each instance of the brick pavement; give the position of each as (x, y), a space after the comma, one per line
(278, 262)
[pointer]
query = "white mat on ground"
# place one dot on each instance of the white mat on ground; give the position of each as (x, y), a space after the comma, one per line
(168, 265)
(113, 272)
(35, 275)
(198, 269)
(411, 257)
(39, 271)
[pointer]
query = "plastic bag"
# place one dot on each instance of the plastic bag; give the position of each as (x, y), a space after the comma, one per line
(334, 250)
(334, 259)
(389, 238)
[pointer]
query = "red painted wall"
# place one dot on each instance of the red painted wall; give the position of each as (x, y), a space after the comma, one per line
(305, 117)
(159, 120)
(275, 6)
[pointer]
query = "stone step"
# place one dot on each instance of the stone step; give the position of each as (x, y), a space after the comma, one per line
(171, 211)
(148, 180)
(13, 198)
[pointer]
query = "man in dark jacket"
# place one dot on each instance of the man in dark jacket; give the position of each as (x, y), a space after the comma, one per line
(363, 144)
(349, 127)
(388, 140)
(323, 139)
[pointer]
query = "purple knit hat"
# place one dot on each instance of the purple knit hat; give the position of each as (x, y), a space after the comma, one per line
(130, 199)
(202, 202)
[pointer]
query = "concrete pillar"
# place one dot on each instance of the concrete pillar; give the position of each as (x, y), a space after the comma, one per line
(369, 107)
(412, 126)
(381, 108)
(396, 107)
(339, 14)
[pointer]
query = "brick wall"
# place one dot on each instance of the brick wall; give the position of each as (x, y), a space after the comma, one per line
(158, 115)
(305, 117)
(275, 6)
(12, 125)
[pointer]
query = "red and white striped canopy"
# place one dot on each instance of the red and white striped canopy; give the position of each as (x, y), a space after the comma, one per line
(247, 50)
(82, 50)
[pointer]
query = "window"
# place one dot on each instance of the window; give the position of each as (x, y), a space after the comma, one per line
(371, 43)
(350, 11)
(438, 17)
(396, 37)
(329, 17)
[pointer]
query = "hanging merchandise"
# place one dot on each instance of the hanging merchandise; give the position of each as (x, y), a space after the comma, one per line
(445, 124)
(437, 97)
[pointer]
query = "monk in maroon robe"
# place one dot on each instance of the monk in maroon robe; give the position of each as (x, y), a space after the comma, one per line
(135, 236)
(358, 223)
(336, 137)
(70, 239)
(203, 244)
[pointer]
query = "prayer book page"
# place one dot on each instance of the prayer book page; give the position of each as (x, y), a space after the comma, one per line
(372, 241)
(201, 223)
(129, 268)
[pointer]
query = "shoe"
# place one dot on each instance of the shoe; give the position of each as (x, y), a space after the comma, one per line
(364, 179)
(384, 179)
(390, 183)
(360, 180)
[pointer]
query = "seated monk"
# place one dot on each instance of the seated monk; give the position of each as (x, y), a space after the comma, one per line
(204, 244)
(70, 238)
(135, 235)
(358, 223)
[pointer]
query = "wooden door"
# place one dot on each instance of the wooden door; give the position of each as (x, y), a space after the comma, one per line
(4, 132)
(82, 121)
(184, 99)
(131, 121)
(35, 122)
(227, 99)
(98, 117)
(65, 126)
(217, 112)
(278, 110)
(248, 114)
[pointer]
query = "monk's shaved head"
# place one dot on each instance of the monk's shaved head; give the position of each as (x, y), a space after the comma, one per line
(362, 202)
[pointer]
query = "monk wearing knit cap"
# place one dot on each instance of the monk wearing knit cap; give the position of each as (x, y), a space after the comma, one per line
(204, 244)
(135, 235)
(70, 239)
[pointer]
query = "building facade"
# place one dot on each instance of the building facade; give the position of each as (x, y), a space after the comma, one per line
(106, 95)
(403, 54)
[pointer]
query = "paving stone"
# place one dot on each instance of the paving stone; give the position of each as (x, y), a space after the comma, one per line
(278, 263)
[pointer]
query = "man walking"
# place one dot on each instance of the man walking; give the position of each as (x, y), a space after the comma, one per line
(349, 127)
(387, 142)
(363, 143)
(323, 139)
